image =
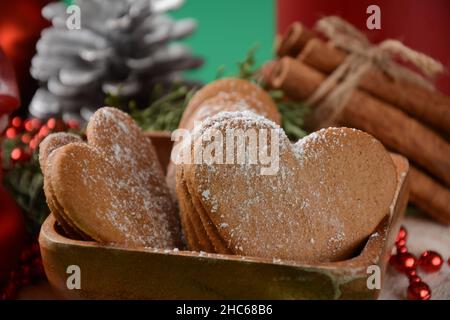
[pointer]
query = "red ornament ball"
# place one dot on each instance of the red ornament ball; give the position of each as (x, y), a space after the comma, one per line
(430, 261)
(418, 291)
(404, 262)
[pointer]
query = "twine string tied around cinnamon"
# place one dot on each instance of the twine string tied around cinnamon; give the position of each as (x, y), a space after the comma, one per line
(333, 93)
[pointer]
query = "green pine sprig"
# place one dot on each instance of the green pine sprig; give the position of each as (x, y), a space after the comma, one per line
(165, 112)
(293, 113)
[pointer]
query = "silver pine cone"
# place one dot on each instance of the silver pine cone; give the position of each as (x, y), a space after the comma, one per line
(122, 48)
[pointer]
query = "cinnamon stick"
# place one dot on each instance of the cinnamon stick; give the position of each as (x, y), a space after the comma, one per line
(391, 126)
(431, 107)
(429, 195)
(293, 41)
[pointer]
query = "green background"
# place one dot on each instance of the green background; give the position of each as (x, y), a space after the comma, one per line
(227, 29)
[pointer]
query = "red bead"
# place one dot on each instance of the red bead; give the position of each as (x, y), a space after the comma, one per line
(418, 291)
(73, 124)
(402, 234)
(412, 276)
(16, 122)
(448, 261)
(34, 142)
(403, 249)
(430, 261)
(36, 123)
(11, 133)
(400, 243)
(28, 125)
(26, 138)
(404, 262)
(51, 123)
(43, 132)
(16, 154)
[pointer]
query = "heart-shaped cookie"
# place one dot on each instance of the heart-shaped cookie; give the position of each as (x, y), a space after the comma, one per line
(112, 188)
(229, 94)
(330, 192)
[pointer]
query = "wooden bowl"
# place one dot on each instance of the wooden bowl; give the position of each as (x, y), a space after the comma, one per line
(110, 272)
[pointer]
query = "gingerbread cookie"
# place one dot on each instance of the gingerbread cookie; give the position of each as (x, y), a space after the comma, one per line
(111, 188)
(330, 192)
(228, 94)
(46, 147)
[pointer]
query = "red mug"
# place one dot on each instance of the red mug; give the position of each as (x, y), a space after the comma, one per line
(9, 94)
(421, 25)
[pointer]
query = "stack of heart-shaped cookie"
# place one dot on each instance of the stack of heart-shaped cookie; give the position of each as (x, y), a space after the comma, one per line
(331, 191)
(111, 188)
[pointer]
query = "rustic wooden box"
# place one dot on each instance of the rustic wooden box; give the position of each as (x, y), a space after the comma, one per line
(109, 272)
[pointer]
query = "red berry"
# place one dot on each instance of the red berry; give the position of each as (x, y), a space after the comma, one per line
(16, 122)
(73, 124)
(430, 261)
(28, 125)
(43, 132)
(34, 142)
(16, 154)
(11, 133)
(51, 123)
(36, 123)
(26, 138)
(418, 291)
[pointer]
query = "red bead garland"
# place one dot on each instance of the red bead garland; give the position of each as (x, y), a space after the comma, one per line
(26, 135)
(29, 271)
(405, 262)
(30, 132)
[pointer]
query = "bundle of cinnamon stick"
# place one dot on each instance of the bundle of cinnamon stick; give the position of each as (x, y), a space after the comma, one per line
(407, 117)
